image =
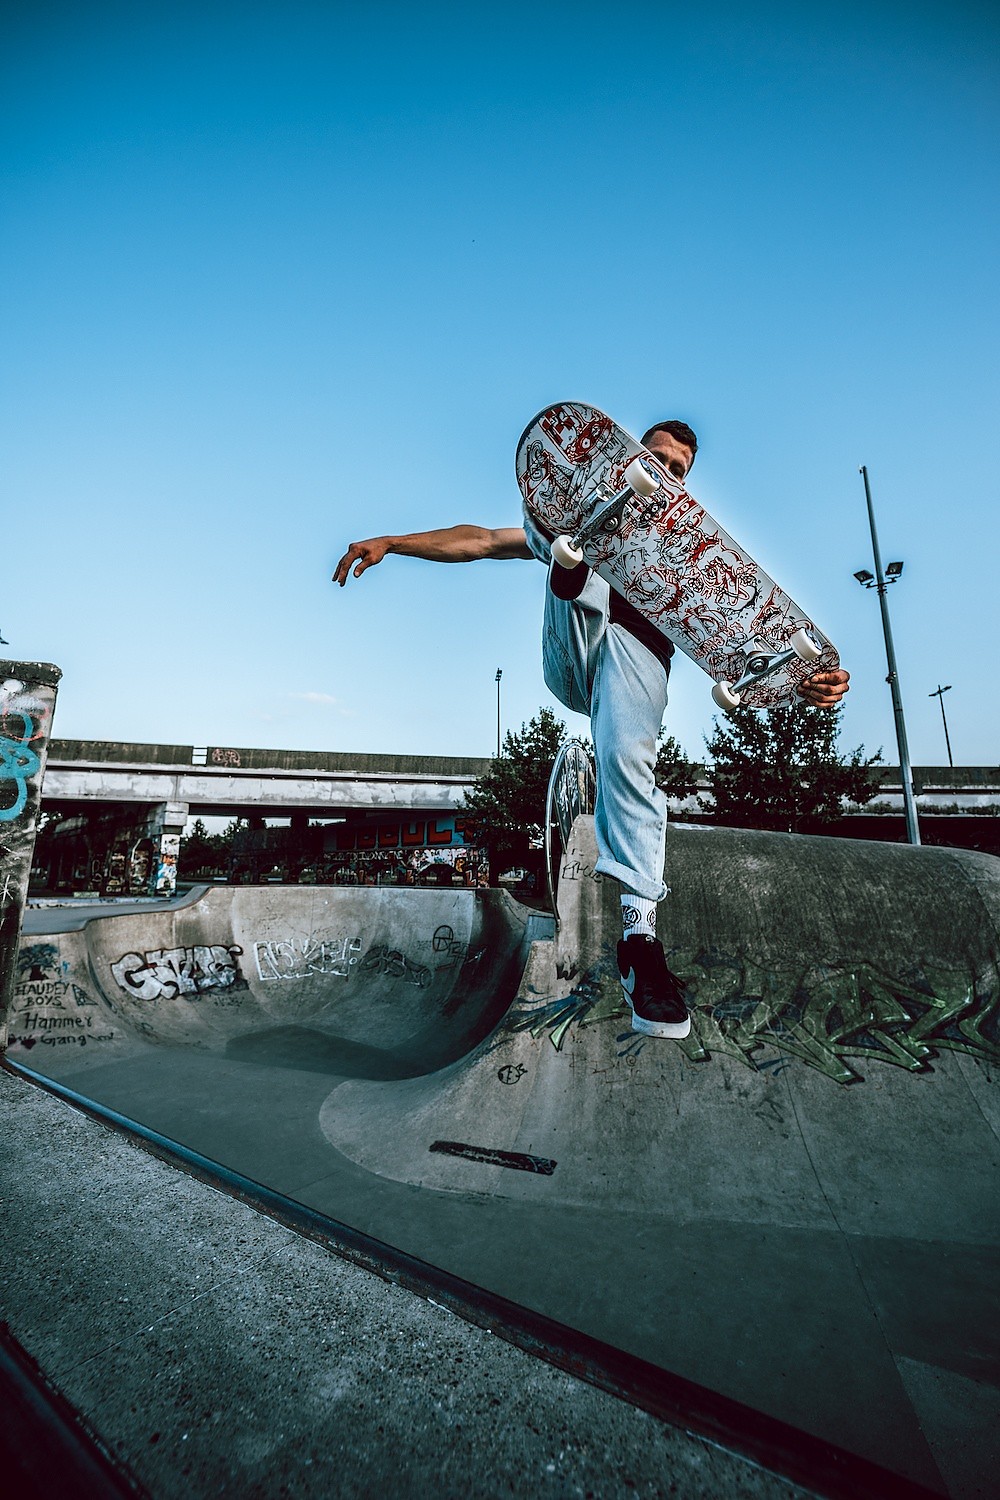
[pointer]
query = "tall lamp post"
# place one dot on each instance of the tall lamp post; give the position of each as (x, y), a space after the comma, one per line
(939, 695)
(881, 581)
(499, 675)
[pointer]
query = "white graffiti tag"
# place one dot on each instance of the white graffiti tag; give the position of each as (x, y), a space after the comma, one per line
(300, 959)
(169, 972)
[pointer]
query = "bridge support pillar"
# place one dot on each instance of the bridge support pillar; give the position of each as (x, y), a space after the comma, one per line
(166, 826)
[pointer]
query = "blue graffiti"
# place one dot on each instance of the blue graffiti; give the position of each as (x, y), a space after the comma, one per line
(18, 762)
(633, 1045)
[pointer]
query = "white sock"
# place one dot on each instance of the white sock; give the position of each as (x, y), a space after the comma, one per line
(638, 916)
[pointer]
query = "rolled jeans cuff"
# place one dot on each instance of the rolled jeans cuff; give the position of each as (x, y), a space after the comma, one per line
(632, 880)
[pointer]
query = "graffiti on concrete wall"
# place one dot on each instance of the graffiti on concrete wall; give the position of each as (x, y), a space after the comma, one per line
(51, 1007)
(412, 833)
(574, 868)
(27, 700)
(140, 866)
(587, 1003)
(450, 952)
(18, 763)
(305, 957)
(837, 1020)
(47, 1007)
(381, 959)
(166, 871)
(166, 973)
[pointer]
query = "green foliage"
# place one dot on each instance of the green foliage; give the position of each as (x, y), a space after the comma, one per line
(674, 773)
(508, 801)
(199, 850)
(204, 851)
(779, 769)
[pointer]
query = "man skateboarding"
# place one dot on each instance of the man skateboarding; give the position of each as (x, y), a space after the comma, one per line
(601, 657)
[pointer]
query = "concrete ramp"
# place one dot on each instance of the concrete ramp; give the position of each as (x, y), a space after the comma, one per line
(857, 983)
(822, 1155)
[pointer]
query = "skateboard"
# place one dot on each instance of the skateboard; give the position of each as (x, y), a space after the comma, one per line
(609, 502)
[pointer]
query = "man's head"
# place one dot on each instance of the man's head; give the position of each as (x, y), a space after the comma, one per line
(674, 444)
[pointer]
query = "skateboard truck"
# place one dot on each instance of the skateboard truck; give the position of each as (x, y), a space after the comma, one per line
(568, 551)
(761, 663)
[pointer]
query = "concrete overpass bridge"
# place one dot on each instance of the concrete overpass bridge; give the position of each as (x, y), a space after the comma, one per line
(83, 774)
(137, 798)
(220, 780)
(131, 802)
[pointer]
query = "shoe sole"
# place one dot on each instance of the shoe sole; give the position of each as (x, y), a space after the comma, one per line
(676, 1030)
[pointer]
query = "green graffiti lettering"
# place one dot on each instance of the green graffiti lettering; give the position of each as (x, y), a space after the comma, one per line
(827, 1016)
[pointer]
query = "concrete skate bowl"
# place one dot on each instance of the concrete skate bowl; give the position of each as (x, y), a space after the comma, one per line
(378, 983)
(797, 1206)
(872, 967)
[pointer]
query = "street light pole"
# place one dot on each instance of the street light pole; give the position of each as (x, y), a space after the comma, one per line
(499, 675)
(881, 583)
(939, 695)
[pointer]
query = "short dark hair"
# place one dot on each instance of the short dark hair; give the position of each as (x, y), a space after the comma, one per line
(680, 430)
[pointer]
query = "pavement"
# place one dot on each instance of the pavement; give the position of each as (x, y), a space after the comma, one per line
(795, 1208)
(213, 1351)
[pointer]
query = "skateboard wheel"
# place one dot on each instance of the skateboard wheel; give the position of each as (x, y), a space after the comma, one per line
(805, 648)
(565, 554)
(725, 697)
(639, 479)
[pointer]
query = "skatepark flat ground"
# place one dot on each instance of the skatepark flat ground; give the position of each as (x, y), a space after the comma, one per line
(797, 1209)
(212, 1351)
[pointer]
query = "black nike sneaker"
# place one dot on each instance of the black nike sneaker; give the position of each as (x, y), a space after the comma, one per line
(655, 995)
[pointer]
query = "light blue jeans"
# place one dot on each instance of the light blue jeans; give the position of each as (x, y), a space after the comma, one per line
(597, 668)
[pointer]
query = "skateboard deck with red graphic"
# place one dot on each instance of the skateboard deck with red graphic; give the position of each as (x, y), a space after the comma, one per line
(607, 500)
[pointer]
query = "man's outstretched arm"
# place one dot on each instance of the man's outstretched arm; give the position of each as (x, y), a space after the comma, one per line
(451, 544)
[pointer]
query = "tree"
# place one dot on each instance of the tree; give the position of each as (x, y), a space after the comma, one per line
(199, 850)
(673, 772)
(203, 852)
(507, 803)
(780, 769)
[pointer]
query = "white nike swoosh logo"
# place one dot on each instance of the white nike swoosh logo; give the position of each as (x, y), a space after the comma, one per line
(628, 984)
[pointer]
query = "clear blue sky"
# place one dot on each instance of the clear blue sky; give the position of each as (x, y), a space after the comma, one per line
(279, 276)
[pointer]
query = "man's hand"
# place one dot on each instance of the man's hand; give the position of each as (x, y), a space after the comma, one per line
(825, 689)
(364, 555)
